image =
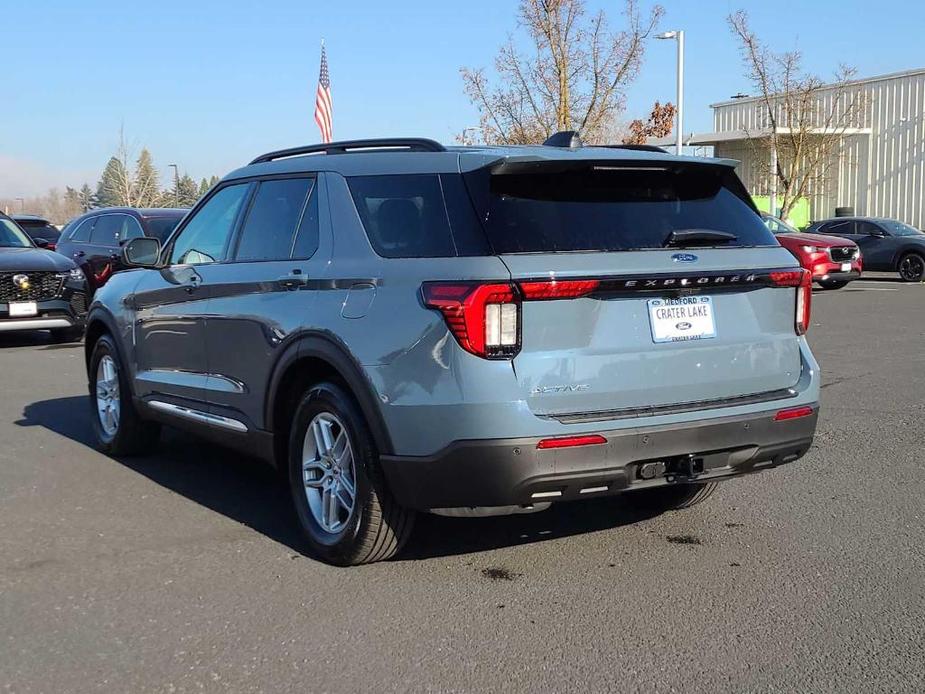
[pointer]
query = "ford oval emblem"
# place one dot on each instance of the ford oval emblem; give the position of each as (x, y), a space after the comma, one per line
(684, 258)
(684, 325)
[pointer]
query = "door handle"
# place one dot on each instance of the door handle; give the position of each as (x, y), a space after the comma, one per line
(80, 254)
(293, 281)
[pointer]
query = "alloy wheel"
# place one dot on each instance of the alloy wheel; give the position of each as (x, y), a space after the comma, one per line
(107, 395)
(328, 472)
(912, 268)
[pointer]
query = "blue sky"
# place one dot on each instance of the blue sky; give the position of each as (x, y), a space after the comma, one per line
(210, 84)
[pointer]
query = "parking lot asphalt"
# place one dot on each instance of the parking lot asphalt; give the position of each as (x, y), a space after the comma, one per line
(181, 571)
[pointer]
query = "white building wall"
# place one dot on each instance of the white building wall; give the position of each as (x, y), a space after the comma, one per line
(879, 175)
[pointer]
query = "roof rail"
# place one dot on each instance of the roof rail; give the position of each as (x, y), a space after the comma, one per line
(412, 144)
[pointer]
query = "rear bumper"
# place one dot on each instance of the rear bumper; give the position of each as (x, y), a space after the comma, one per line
(509, 472)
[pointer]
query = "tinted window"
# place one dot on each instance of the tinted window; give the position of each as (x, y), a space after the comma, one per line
(11, 236)
(306, 241)
(82, 232)
(842, 227)
(272, 219)
(899, 229)
(597, 208)
(131, 229)
(40, 230)
(404, 216)
(867, 229)
(205, 237)
(160, 227)
(107, 230)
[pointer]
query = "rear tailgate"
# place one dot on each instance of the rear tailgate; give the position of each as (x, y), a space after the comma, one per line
(678, 304)
(602, 353)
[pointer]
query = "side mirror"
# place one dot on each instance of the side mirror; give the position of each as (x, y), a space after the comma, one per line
(40, 242)
(142, 252)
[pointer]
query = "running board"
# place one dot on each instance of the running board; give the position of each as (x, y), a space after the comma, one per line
(198, 416)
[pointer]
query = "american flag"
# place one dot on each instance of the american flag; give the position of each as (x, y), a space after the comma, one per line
(324, 107)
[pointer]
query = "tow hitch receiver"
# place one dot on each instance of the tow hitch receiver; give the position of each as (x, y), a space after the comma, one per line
(688, 467)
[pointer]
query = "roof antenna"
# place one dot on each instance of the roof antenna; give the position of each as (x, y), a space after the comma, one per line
(569, 139)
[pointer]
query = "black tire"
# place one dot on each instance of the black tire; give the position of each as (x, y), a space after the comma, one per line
(912, 267)
(833, 284)
(62, 335)
(132, 435)
(678, 496)
(376, 528)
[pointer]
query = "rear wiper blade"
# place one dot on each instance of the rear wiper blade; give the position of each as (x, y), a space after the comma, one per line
(698, 237)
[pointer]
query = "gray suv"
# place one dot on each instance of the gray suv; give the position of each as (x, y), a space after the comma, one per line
(401, 327)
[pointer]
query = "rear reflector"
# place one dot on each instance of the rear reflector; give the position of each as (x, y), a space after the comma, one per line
(793, 413)
(571, 441)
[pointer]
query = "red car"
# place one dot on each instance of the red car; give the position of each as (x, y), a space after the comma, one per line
(834, 261)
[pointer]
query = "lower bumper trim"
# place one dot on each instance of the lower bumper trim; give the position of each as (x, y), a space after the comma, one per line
(514, 472)
(34, 324)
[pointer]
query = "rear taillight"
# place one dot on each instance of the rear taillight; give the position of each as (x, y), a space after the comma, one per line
(803, 281)
(484, 318)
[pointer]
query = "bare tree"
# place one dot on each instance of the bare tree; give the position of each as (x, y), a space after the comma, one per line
(660, 123)
(801, 121)
(572, 78)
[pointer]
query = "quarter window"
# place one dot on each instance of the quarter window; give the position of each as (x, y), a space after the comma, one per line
(205, 238)
(273, 219)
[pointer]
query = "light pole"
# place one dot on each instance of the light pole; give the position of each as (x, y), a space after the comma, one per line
(679, 35)
(176, 184)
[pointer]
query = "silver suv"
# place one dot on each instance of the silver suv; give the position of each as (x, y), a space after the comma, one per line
(404, 327)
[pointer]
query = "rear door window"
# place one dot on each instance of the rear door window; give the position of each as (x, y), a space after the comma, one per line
(82, 233)
(840, 228)
(597, 207)
(273, 219)
(130, 229)
(107, 229)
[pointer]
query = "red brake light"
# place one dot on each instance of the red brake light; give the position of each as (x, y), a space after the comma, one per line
(803, 281)
(557, 289)
(571, 441)
(793, 413)
(484, 318)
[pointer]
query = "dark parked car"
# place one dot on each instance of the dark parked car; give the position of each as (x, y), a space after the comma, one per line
(39, 289)
(833, 260)
(39, 229)
(465, 331)
(887, 245)
(94, 240)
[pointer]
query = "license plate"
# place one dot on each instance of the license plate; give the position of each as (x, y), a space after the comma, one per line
(846, 267)
(23, 308)
(682, 319)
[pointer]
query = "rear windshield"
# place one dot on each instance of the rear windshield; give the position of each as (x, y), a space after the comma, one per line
(40, 230)
(531, 209)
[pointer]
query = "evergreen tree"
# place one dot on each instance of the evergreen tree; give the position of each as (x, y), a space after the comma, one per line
(187, 191)
(86, 198)
(203, 187)
(147, 186)
(110, 191)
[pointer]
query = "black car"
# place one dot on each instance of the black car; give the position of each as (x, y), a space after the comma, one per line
(39, 289)
(93, 240)
(886, 244)
(39, 229)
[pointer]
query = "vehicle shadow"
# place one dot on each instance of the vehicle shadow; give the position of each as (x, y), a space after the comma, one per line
(40, 339)
(252, 493)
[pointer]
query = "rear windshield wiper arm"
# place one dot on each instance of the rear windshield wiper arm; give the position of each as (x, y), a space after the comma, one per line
(698, 237)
